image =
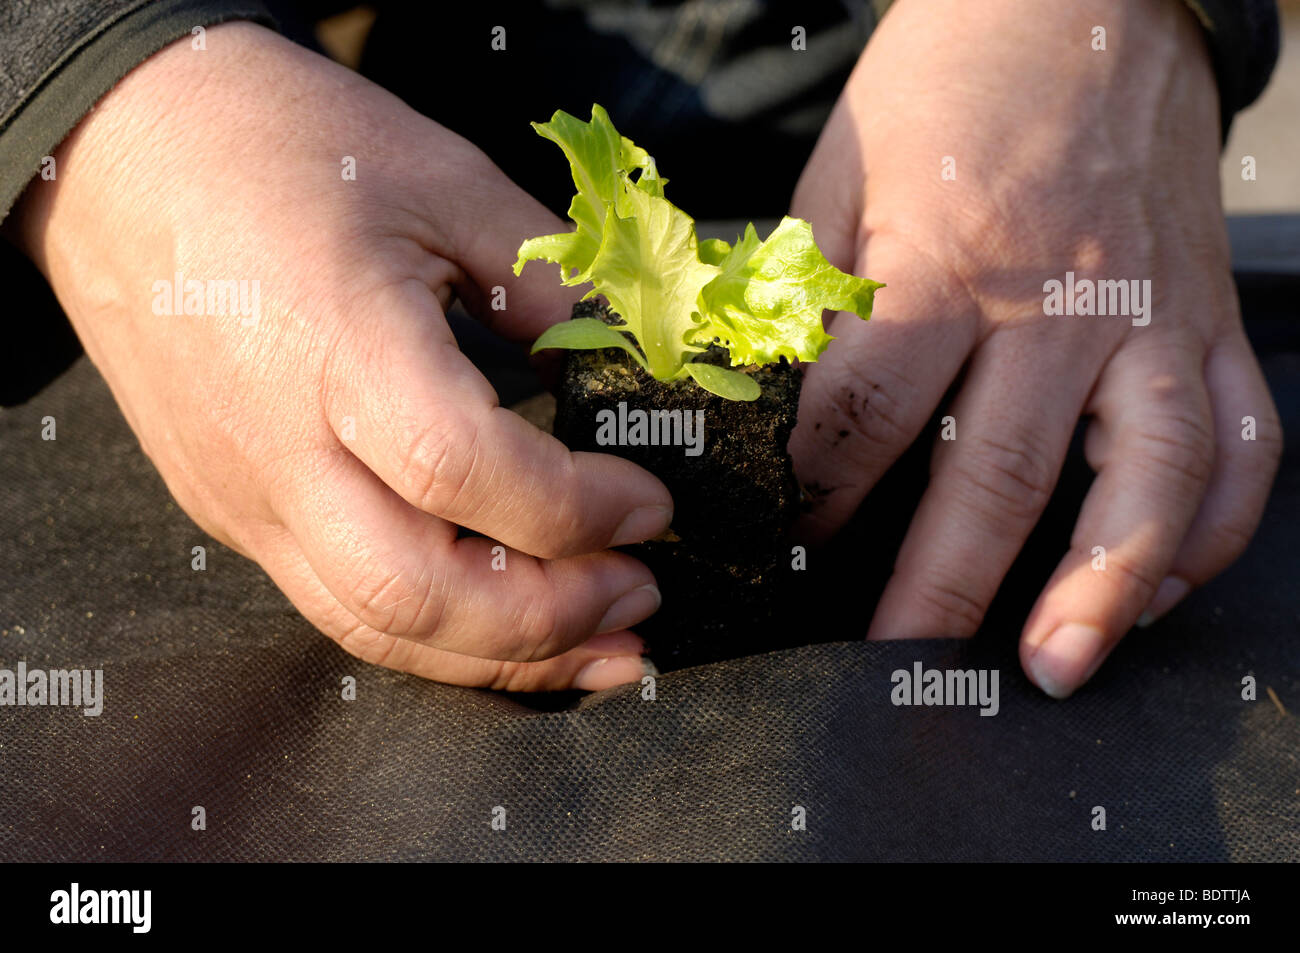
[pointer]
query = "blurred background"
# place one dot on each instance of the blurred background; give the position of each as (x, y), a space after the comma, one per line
(1269, 131)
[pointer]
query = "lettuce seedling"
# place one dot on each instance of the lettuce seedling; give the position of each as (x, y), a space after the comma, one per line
(675, 294)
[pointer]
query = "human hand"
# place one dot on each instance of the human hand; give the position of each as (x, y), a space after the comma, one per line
(1060, 158)
(331, 430)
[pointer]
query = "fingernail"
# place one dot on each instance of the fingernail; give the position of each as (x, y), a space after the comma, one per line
(1169, 593)
(608, 672)
(644, 522)
(630, 608)
(614, 643)
(1067, 658)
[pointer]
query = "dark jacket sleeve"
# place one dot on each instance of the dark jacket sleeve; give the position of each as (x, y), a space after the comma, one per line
(1244, 38)
(58, 57)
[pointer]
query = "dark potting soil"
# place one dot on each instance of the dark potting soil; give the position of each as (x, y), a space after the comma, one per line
(726, 578)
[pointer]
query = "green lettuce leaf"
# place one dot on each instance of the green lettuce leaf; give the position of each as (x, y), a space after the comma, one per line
(586, 334)
(732, 385)
(675, 294)
(767, 301)
(649, 270)
(713, 251)
(598, 159)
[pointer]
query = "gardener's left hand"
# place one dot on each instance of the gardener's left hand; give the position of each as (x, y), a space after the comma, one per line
(979, 151)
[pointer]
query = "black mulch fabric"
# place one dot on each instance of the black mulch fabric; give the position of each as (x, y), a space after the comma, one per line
(217, 694)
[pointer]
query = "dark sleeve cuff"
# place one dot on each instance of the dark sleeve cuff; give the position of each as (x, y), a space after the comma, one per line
(1244, 38)
(36, 120)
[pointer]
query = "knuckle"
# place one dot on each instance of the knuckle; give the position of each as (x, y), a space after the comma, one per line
(871, 405)
(954, 611)
(1015, 476)
(521, 677)
(1178, 444)
(393, 603)
(437, 465)
(1131, 576)
(537, 625)
(509, 677)
(568, 516)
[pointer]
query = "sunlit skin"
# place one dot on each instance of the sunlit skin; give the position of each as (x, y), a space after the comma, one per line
(1066, 158)
(226, 164)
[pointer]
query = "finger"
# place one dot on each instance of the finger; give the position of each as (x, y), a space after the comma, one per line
(603, 661)
(489, 218)
(1248, 438)
(404, 573)
(416, 411)
(988, 487)
(869, 396)
(1155, 450)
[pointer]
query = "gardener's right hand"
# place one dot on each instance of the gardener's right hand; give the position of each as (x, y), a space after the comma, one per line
(226, 164)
